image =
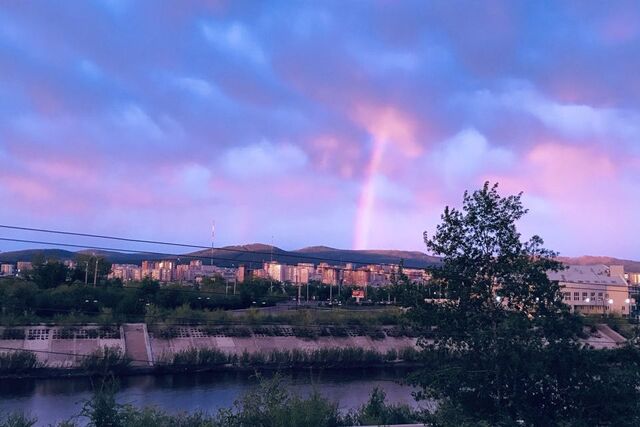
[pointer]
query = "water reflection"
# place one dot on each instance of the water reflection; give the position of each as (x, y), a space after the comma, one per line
(53, 400)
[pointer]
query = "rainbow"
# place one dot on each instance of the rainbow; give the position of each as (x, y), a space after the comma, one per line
(366, 202)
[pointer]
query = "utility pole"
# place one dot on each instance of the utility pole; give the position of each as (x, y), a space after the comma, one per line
(86, 273)
(213, 236)
(271, 267)
(95, 273)
(331, 292)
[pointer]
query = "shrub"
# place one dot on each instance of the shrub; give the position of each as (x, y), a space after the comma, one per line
(391, 355)
(409, 354)
(377, 412)
(17, 420)
(19, 361)
(105, 361)
(200, 357)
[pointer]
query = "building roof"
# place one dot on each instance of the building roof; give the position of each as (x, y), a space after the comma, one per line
(589, 274)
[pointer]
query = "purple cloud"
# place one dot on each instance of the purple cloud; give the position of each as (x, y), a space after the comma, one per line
(340, 123)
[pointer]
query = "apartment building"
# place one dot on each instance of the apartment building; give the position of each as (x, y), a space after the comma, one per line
(594, 289)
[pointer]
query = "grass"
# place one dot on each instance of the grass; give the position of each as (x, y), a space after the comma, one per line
(296, 358)
(105, 361)
(18, 362)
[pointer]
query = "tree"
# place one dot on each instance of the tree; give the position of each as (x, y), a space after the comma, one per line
(49, 274)
(506, 347)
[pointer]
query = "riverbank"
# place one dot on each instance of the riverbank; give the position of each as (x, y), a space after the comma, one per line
(113, 363)
(130, 349)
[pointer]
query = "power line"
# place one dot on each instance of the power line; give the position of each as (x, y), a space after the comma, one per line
(192, 246)
(159, 254)
(102, 248)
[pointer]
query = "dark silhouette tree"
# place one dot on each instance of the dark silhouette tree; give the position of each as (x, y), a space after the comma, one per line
(505, 346)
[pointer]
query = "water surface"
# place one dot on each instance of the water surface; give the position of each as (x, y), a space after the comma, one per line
(54, 400)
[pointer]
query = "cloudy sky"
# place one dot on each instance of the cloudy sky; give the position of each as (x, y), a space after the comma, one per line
(349, 123)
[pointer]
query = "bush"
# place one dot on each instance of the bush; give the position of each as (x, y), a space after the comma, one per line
(409, 354)
(18, 362)
(105, 361)
(391, 355)
(377, 412)
(17, 420)
(200, 357)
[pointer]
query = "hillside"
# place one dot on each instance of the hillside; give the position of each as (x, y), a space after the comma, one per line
(253, 255)
(629, 265)
(28, 254)
(411, 259)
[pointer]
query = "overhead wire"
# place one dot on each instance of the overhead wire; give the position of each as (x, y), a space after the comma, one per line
(233, 261)
(284, 254)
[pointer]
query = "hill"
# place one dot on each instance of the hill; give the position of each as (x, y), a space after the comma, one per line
(254, 255)
(28, 254)
(629, 265)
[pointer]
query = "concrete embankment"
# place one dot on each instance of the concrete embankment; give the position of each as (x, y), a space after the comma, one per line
(64, 347)
(61, 349)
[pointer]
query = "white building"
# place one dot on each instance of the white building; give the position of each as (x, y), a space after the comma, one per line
(594, 289)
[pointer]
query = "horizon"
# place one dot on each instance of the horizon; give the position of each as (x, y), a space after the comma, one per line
(203, 248)
(288, 124)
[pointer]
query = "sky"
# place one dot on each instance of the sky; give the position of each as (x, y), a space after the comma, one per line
(349, 124)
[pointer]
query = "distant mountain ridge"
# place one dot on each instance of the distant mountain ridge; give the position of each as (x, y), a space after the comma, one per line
(252, 255)
(629, 265)
(255, 254)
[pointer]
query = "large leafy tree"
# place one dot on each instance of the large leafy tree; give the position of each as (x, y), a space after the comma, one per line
(506, 348)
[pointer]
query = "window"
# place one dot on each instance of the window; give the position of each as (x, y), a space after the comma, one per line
(584, 295)
(576, 296)
(567, 296)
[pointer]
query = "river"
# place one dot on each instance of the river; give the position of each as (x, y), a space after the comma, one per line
(54, 400)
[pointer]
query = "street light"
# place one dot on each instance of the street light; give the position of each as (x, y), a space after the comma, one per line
(610, 301)
(498, 298)
(627, 301)
(587, 299)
